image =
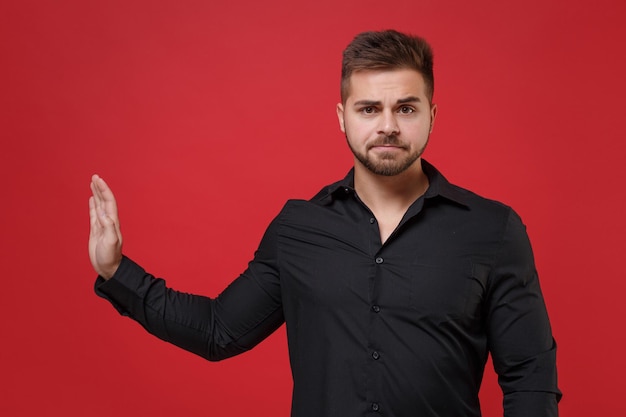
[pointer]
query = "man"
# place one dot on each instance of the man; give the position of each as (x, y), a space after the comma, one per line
(393, 283)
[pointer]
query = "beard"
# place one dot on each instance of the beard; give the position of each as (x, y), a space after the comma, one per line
(387, 164)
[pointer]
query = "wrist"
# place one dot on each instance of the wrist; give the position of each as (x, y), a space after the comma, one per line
(109, 272)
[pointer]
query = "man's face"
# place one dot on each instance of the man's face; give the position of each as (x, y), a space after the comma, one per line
(387, 119)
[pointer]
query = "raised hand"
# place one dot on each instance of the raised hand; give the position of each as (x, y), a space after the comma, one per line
(105, 238)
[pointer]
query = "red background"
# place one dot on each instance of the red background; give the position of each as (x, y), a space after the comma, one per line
(205, 117)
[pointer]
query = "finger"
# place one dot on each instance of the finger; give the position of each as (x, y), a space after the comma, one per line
(107, 197)
(94, 221)
(105, 200)
(95, 190)
(95, 194)
(96, 209)
(105, 204)
(93, 218)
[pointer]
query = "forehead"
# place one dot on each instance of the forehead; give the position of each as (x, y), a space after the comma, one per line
(379, 84)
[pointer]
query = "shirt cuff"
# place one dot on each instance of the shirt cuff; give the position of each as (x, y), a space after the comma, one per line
(123, 289)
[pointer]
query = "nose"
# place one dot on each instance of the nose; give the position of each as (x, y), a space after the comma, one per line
(388, 124)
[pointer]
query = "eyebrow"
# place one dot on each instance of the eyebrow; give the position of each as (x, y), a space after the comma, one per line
(409, 99)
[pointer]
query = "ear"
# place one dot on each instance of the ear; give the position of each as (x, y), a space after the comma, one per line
(340, 117)
(433, 115)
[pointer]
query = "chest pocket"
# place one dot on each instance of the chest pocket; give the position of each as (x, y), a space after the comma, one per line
(448, 290)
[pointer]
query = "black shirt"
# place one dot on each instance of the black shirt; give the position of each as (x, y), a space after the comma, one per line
(398, 329)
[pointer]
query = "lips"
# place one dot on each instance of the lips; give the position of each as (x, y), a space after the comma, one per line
(387, 142)
(385, 146)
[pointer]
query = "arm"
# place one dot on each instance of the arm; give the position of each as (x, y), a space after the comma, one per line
(244, 314)
(519, 334)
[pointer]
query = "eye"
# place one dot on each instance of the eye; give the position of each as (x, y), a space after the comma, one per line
(368, 110)
(406, 110)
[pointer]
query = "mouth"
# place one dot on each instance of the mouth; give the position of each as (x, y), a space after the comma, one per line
(386, 147)
(387, 143)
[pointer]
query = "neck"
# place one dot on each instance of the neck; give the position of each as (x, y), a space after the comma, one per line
(383, 194)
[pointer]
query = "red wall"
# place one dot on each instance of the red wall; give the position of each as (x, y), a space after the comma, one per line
(206, 116)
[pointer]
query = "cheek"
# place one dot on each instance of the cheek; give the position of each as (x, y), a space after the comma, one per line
(355, 135)
(417, 129)
(356, 128)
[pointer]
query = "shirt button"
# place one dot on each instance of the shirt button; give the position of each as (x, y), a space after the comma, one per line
(372, 220)
(376, 355)
(376, 309)
(379, 260)
(346, 190)
(375, 407)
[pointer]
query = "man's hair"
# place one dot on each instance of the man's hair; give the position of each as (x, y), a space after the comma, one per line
(387, 50)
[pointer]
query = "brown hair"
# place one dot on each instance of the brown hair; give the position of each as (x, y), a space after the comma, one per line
(387, 50)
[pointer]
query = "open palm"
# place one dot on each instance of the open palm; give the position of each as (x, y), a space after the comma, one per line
(105, 238)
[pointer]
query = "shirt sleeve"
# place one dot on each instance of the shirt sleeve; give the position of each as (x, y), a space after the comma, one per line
(519, 333)
(244, 314)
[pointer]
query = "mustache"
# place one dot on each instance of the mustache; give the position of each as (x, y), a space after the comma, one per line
(383, 140)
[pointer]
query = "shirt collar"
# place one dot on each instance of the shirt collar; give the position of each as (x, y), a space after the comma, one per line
(438, 187)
